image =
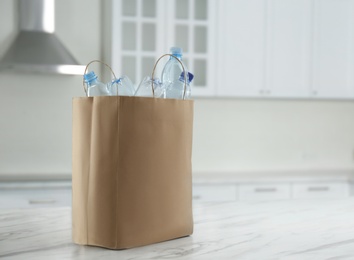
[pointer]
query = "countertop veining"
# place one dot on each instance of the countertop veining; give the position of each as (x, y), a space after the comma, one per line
(296, 229)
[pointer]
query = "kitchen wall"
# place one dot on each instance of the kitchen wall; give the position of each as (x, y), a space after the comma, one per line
(236, 135)
(230, 135)
(35, 109)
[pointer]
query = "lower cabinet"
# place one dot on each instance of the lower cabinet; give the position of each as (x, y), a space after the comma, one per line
(326, 190)
(35, 198)
(272, 191)
(214, 192)
(60, 196)
(264, 191)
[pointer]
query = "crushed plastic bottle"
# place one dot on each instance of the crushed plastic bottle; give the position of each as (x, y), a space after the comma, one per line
(188, 82)
(94, 86)
(145, 88)
(122, 87)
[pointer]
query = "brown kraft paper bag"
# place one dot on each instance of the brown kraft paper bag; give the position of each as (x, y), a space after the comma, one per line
(131, 170)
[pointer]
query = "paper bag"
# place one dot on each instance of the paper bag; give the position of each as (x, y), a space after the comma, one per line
(131, 170)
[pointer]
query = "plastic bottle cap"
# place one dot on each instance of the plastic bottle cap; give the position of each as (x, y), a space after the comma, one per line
(157, 81)
(176, 50)
(190, 77)
(90, 76)
(117, 80)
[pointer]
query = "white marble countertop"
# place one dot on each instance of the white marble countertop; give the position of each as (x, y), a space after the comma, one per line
(288, 229)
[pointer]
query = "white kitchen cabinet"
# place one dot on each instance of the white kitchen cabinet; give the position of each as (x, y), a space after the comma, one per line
(35, 197)
(272, 190)
(324, 190)
(143, 30)
(136, 37)
(333, 49)
(266, 51)
(242, 48)
(264, 191)
(214, 192)
(191, 24)
(286, 48)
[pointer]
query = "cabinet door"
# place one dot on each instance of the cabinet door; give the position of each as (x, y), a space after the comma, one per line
(333, 49)
(143, 30)
(288, 48)
(264, 191)
(324, 190)
(253, 48)
(214, 192)
(241, 38)
(192, 25)
(137, 29)
(35, 197)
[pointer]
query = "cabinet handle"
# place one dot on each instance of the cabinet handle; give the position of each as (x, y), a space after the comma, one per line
(318, 188)
(196, 197)
(41, 201)
(265, 189)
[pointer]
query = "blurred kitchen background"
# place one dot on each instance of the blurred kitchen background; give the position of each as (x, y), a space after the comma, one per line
(273, 90)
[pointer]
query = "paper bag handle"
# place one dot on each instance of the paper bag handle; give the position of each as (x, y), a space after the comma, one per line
(83, 80)
(153, 72)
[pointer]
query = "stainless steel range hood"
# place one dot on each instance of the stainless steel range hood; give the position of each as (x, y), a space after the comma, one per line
(36, 48)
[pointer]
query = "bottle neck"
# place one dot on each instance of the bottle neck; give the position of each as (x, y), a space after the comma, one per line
(178, 56)
(92, 82)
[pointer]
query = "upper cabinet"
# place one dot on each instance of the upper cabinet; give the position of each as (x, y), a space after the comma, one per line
(143, 30)
(136, 37)
(242, 48)
(288, 48)
(333, 49)
(191, 25)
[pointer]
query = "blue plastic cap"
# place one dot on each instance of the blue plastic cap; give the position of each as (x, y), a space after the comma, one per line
(90, 76)
(116, 81)
(157, 81)
(190, 77)
(176, 50)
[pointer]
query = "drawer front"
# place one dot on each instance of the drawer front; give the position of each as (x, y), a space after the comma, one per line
(319, 190)
(214, 192)
(35, 198)
(264, 191)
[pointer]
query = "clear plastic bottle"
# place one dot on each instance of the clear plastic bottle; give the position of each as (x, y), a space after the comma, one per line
(174, 87)
(145, 88)
(189, 81)
(94, 86)
(122, 87)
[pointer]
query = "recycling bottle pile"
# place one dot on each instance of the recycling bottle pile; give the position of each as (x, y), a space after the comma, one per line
(172, 84)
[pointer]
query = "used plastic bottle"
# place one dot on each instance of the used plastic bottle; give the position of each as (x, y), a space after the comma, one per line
(94, 86)
(145, 88)
(174, 87)
(188, 87)
(122, 87)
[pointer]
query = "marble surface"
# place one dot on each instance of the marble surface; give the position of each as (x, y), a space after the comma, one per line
(296, 229)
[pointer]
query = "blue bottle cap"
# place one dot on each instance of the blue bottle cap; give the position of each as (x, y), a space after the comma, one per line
(190, 77)
(116, 81)
(176, 50)
(90, 76)
(157, 81)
